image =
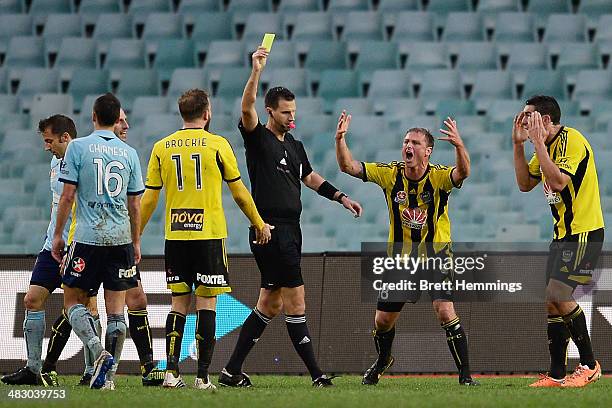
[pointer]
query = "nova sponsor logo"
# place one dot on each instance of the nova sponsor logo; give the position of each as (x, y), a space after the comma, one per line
(187, 219)
(414, 218)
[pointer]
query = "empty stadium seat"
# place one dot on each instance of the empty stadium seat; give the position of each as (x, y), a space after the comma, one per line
(389, 83)
(133, 83)
(25, 52)
(197, 6)
(543, 8)
(492, 84)
(257, 24)
(224, 54)
(576, 56)
(291, 78)
(45, 105)
(440, 84)
(565, 28)
(231, 83)
(125, 53)
(33, 81)
(145, 7)
(112, 25)
(99, 6)
(311, 26)
(326, 55)
(414, 26)
(298, 5)
(526, 56)
(85, 81)
(463, 26)
(442, 7)
(353, 106)
(595, 8)
(334, 84)
(359, 26)
(171, 54)
(397, 5)
(76, 52)
(593, 85)
(162, 26)
(211, 26)
(8, 103)
(497, 6)
(375, 55)
(283, 55)
(11, 6)
(476, 56)
(514, 26)
(544, 82)
(12, 25)
(424, 56)
(392, 107)
(45, 7)
(58, 26)
(604, 28)
(148, 105)
(453, 107)
(183, 79)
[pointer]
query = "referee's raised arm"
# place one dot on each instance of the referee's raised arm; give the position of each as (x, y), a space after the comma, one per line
(249, 113)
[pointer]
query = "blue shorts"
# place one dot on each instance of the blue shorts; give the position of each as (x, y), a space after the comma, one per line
(46, 272)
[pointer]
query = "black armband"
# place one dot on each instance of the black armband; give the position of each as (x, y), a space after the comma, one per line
(327, 190)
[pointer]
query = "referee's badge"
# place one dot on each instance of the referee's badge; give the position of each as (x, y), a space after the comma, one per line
(400, 197)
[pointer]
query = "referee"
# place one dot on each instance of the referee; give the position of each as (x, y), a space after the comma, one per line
(276, 164)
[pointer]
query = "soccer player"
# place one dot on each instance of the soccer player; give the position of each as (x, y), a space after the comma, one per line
(103, 174)
(57, 132)
(564, 162)
(277, 163)
(191, 164)
(417, 195)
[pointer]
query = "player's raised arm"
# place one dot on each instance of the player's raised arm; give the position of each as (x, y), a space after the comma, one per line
(249, 113)
(343, 155)
(462, 158)
(524, 180)
(244, 200)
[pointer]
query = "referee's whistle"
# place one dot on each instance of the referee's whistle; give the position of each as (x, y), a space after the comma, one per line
(291, 125)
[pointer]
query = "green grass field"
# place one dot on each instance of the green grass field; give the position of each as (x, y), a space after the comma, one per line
(291, 391)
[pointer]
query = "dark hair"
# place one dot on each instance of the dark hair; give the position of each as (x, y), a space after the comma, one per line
(428, 137)
(193, 103)
(59, 124)
(546, 105)
(107, 109)
(275, 94)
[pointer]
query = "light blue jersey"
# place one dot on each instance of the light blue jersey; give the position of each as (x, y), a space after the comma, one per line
(105, 170)
(56, 191)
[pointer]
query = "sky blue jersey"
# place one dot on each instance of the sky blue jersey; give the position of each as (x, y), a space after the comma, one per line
(105, 170)
(56, 191)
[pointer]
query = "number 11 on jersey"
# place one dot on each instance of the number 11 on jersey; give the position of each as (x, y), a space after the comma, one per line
(179, 170)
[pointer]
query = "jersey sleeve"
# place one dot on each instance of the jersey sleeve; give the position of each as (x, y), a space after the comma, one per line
(252, 139)
(135, 184)
(70, 165)
(444, 175)
(534, 167)
(154, 177)
(226, 159)
(569, 155)
(305, 166)
(379, 173)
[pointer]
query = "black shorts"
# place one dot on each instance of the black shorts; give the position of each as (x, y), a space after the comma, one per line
(395, 301)
(279, 260)
(87, 266)
(572, 259)
(201, 263)
(46, 272)
(94, 292)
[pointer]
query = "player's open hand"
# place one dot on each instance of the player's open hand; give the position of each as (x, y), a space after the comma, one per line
(452, 134)
(519, 133)
(57, 250)
(353, 206)
(263, 235)
(343, 125)
(535, 128)
(259, 58)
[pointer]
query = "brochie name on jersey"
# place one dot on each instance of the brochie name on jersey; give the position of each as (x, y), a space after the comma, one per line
(105, 149)
(174, 143)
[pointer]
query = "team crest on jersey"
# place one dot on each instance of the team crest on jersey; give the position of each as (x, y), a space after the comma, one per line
(566, 255)
(78, 265)
(400, 197)
(426, 196)
(414, 218)
(551, 197)
(186, 219)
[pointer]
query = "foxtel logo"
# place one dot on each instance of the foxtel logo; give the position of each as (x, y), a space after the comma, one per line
(187, 219)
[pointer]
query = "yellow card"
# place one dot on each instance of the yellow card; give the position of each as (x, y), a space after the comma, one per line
(267, 41)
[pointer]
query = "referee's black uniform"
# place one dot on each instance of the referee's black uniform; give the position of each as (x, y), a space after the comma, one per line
(276, 169)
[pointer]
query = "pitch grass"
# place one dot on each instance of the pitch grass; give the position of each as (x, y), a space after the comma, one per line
(293, 391)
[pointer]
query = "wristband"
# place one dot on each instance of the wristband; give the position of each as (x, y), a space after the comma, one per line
(339, 199)
(327, 190)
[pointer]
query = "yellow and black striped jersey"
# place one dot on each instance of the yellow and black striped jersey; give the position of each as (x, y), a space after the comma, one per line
(192, 164)
(577, 208)
(418, 209)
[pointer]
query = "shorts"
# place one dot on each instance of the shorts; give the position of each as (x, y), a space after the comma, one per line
(88, 266)
(279, 261)
(46, 272)
(201, 263)
(394, 302)
(572, 259)
(94, 292)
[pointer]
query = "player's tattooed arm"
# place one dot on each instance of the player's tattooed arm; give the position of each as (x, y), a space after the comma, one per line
(249, 96)
(462, 158)
(344, 157)
(63, 212)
